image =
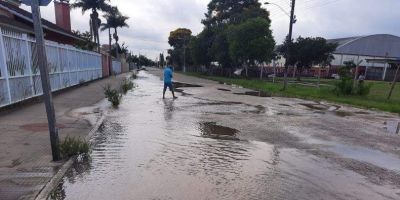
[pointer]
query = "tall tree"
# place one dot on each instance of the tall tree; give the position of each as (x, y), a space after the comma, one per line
(115, 20)
(222, 12)
(179, 39)
(94, 6)
(307, 52)
(251, 42)
(200, 47)
(162, 60)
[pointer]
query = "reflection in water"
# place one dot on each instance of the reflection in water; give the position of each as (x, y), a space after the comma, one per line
(168, 108)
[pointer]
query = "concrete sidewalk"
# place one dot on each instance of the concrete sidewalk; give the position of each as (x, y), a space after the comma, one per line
(25, 153)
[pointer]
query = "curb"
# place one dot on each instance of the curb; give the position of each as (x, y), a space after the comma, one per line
(55, 180)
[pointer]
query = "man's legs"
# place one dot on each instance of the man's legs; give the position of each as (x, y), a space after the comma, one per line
(171, 88)
(165, 89)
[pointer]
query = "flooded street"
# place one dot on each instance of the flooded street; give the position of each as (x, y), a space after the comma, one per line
(216, 142)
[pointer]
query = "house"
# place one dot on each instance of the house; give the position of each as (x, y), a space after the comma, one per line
(358, 50)
(18, 19)
(67, 65)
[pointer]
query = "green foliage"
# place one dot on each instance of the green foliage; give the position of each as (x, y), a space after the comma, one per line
(113, 95)
(377, 98)
(86, 43)
(140, 60)
(306, 52)
(180, 39)
(344, 86)
(71, 146)
(362, 89)
(233, 12)
(251, 41)
(133, 76)
(235, 32)
(126, 85)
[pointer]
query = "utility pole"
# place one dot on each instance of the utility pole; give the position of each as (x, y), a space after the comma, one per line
(44, 74)
(289, 43)
(184, 54)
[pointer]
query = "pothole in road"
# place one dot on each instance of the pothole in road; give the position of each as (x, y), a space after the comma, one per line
(181, 85)
(315, 106)
(343, 113)
(255, 93)
(222, 89)
(212, 130)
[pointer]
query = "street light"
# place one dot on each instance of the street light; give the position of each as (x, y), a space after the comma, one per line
(289, 38)
(282, 9)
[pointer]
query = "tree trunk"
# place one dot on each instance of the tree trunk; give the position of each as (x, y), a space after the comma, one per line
(319, 76)
(261, 72)
(116, 43)
(355, 77)
(394, 81)
(109, 52)
(274, 66)
(285, 80)
(246, 68)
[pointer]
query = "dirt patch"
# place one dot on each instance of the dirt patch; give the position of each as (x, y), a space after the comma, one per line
(212, 130)
(39, 127)
(255, 93)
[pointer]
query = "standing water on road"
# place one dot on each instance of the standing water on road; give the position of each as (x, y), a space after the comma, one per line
(152, 148)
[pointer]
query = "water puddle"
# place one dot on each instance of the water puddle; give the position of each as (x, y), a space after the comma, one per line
(341, 113)
(378, 158)
(153, 149)
(212, 130)
(255, 93)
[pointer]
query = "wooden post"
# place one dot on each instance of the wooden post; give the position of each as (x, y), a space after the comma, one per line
(44, 74)
(394, 81)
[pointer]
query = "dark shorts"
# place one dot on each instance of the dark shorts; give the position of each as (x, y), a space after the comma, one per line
(168, 85)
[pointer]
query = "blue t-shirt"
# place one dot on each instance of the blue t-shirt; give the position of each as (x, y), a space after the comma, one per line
(167, 75)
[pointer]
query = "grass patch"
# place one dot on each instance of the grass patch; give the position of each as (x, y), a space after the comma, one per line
(376, 99)
(71, 146)
(113, 95)
(126, 85)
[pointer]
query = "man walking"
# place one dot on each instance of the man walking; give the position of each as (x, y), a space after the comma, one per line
(168, 80)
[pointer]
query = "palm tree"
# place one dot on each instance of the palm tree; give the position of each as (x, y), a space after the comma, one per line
(114, 20)
(94, 6)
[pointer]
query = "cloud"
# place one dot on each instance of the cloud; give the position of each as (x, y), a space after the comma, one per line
(151, 20)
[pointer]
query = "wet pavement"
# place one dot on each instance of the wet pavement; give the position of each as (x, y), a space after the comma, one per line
(211, 143)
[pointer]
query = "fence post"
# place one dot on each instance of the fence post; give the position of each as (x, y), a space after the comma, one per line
(59, 66)
(6, 75)
(69, 66)
(29, 62)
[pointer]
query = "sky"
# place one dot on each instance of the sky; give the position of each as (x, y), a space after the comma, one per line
(151, 21)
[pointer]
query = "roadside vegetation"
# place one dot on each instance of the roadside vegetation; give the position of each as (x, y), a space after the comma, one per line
(306, 89)
(126, 85)
(114, 95)
(71, 146)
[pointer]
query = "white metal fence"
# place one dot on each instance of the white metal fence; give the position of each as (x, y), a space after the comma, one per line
(116, 67)
(19, 70)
